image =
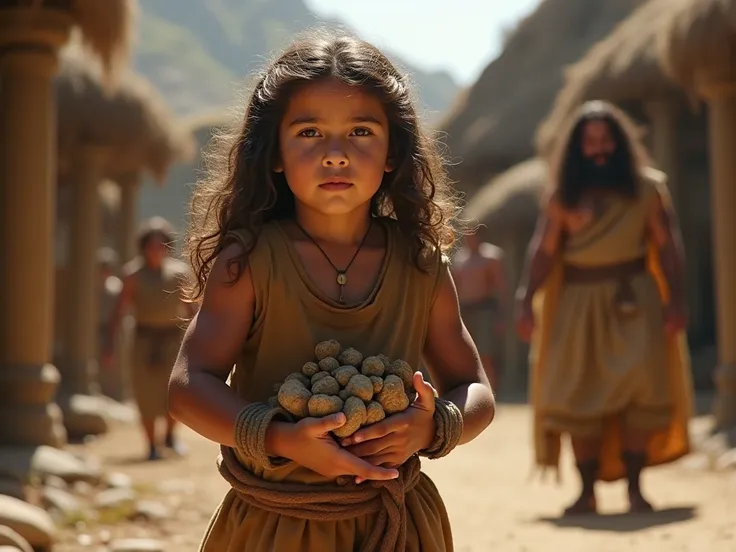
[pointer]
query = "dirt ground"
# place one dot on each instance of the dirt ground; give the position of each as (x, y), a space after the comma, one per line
(492, 503)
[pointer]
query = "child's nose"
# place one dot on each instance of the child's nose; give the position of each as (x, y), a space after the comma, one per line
(335, 157)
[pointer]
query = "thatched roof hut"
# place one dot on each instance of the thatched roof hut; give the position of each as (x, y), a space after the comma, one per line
(509, 203)
(133, 120)
(205, 121)
(623, 66)
(106, 29)
(171, 201)
(699, 41)
(492, 126)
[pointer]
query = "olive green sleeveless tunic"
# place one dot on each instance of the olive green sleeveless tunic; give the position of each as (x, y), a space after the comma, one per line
(291, 316)
(158, 309)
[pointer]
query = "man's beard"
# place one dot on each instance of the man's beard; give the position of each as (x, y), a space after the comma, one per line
(605, 175)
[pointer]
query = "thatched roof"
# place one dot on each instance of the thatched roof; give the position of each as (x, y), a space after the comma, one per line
(510, 202)
(208, 123)
(107, 30)
(133, 120)
(623, 66)
(699, 41)
(492, 126)
(210, 118)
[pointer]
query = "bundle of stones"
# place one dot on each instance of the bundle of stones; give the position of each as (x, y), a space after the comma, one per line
(366, 389)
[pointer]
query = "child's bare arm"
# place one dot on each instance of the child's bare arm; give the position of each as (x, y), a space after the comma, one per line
(198, 394)
(454, 364)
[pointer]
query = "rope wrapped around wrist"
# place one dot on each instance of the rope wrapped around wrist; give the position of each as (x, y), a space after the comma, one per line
(250, 433)
(448, 429)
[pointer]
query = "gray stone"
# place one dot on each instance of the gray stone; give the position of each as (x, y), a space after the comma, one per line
(30, 522)
(85, 539)
(82, 488)
(697, 462)
(44, 461)
(11, 539)
(152, 511)
(727, 461)
(137, 545)
(55, 482)
(181, 486)
(83, 416)
(118, 480)
(66, 504)
(116, 499)
(117, 412)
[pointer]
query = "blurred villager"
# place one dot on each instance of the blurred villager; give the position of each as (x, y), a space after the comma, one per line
(481, 286)
(610, 360)
(151, 290)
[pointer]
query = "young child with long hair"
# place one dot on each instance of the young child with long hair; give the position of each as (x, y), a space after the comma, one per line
(328, 218)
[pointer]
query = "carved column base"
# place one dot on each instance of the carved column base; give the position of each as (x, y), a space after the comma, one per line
(79, 377)
(724, 408)
(28, 415)
(82, 416)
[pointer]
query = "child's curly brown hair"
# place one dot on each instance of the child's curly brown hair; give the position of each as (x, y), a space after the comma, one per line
(241, 190)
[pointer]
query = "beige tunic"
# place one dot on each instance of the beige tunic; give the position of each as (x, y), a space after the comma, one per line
(159, 314)
(292, 315)
(599, 362)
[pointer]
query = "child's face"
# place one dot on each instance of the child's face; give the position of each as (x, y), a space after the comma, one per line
(333, 142)
(155, 251)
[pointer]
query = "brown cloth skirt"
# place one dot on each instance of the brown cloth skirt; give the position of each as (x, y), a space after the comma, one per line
(154, 353)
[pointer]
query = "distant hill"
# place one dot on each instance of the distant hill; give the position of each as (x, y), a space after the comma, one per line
(199, 53)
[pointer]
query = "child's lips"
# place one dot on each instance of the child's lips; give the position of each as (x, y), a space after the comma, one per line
(335, 185)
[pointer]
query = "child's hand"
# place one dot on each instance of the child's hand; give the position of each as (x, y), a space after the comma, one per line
(309, 443)
(395, 439)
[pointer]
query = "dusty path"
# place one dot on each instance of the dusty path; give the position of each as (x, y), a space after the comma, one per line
(491, 503)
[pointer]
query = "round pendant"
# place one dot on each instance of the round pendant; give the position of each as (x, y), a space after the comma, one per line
(342, 279)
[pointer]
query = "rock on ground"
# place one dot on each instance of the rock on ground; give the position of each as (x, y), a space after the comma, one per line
(30, 522)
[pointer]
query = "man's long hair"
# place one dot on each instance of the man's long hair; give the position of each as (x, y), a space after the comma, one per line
(570, 169)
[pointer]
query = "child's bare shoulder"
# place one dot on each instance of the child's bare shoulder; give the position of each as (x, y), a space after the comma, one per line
(230, 265)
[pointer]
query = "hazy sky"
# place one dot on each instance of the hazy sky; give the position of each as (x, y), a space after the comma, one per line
(461, 36)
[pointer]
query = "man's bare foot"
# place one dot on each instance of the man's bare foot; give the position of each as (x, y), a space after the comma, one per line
(585, 505)
(638, 504)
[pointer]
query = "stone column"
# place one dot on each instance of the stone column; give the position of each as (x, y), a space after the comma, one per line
(83, 411)
(28, 381)
(663, 114)
(130, 186)
(80, 365)
(722, 140)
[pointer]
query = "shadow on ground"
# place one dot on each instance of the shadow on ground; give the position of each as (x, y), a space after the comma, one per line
(143, 459)
(624, 523)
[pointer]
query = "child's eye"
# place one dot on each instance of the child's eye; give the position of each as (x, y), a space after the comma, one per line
(362, 131)
(309, 133)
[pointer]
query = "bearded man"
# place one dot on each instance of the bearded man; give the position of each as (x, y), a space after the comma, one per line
(609, 356)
